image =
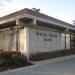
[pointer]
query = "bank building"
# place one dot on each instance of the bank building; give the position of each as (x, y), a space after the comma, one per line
(30, 31)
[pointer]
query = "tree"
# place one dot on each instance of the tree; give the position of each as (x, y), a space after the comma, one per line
(73, 22)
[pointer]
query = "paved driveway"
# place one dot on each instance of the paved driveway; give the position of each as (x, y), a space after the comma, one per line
(65, 67)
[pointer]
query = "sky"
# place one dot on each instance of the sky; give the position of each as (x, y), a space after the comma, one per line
(61, 9)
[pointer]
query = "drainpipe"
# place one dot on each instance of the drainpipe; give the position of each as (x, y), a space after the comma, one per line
(65, 41)
(17, 37)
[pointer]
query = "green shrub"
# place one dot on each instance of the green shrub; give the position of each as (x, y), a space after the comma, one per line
(48, 55)
(11, 59)
(19, 60)
(2, 62)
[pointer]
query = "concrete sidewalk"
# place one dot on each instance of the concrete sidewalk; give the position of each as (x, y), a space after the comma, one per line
(56, 66)
(59, 59)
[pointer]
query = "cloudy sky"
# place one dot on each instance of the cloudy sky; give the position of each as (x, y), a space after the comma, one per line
(60, 9)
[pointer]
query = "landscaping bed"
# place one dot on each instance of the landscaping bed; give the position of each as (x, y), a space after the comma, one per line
(49, 55)
(11, 60)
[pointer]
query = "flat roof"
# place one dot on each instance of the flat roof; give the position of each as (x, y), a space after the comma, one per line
(35, 13)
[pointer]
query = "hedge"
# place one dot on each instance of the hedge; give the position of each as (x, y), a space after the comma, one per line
(48, 55)
(12, 60)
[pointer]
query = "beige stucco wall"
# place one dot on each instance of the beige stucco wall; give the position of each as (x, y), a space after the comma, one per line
(8, 40)
(67, 41)
(32, 40)
(63, 41)
(23, 34)
(43, 40)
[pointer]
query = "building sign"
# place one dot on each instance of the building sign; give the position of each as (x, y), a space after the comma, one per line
(46, 36)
